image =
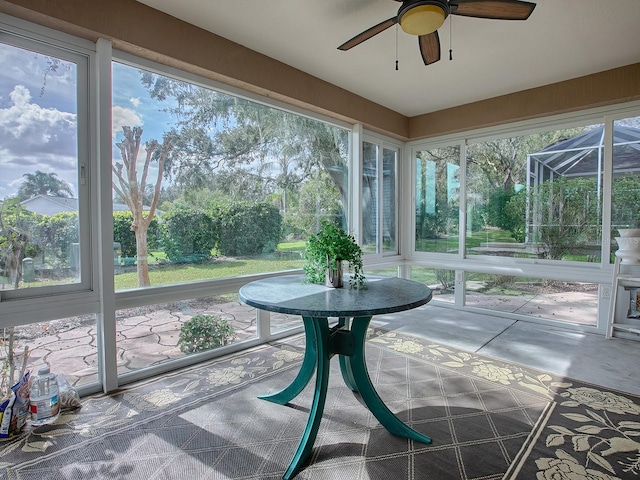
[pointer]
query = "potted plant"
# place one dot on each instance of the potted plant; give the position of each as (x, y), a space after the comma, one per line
(326, 251)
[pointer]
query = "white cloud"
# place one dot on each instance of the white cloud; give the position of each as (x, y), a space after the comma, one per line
(135, 101)
(122, 117)
(36, 138)
(30, 122)
(28, 127)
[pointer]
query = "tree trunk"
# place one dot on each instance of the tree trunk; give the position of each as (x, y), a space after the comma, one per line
(142, 257)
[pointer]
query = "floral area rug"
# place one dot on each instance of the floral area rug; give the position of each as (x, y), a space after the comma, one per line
(488, 419)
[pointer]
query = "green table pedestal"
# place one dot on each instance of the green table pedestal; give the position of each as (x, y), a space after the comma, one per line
(346, 339)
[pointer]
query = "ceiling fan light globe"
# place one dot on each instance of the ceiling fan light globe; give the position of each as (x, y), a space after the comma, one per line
(422, 19)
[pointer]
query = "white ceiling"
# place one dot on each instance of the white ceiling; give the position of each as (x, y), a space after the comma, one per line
(562, 39)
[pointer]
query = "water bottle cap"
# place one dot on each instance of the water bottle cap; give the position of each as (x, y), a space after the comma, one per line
(44, 370)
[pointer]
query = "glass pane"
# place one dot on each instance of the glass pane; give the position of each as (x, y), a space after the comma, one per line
(550, 299)
(437, 199)
(369, 197)
(389, 211)
(537, 196)
(441, 281)
(625, 201)
(280, 322)
(67, 345)
(39, 235)
(207, 185)
(382, 272)
(156, 334)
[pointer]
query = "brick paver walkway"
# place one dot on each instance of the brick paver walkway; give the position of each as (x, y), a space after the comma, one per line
(145, 337)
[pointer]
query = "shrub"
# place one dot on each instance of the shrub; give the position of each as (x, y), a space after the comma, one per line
(204, 332)
(246, 229)
(187, 235)
(446, 278)
(123, 234)
(58, 232)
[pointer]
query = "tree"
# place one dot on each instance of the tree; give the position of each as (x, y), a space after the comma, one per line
(218, 131)
(318, 201)
(13, 239)
(497, 166)
(131, 189)
(437, 196)
(41, 183)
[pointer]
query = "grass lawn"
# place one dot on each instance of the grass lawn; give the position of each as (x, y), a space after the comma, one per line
(288, 257)
(450, 243)
(166, 274)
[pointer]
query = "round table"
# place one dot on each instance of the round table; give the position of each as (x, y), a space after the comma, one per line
(354, 309)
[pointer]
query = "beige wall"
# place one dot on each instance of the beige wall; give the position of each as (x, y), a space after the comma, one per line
(600, 89)
(138, 29)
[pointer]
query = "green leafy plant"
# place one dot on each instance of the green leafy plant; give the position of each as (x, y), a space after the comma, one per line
(329, 246)
(204, 332)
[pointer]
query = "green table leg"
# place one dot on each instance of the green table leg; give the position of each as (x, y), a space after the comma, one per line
(367, 392)
(345, 365)
(306, 369)
(321, 329)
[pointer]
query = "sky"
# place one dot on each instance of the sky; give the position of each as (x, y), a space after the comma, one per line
(38, 115)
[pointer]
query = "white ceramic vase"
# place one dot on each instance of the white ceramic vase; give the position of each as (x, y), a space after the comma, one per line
(629, 243)
(629, 232)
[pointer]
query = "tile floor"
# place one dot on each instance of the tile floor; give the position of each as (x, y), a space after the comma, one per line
(589, 357)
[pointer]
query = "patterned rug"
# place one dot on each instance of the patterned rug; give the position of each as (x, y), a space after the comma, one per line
(488, 419)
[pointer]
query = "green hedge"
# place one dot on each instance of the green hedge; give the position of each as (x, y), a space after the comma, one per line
(244, 228)
(57, 232)
(123, 234)
(187, 235)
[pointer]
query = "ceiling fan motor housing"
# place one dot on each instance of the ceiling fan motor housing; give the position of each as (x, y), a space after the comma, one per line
(421, 17)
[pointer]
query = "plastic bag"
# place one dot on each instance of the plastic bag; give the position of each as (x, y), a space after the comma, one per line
(68, 395)
(14, 411)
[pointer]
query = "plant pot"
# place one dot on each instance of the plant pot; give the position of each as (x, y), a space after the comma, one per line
(629, 232)
(334, 277)
(629, 251)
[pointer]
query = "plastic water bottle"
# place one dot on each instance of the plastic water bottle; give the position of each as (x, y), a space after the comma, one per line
(45, 401)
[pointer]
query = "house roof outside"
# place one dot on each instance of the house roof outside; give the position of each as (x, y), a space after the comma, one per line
(50, 205)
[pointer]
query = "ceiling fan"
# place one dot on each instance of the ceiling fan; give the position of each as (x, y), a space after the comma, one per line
(424, 17)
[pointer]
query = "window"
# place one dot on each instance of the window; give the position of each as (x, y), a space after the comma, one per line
(44, 227)
(437, 203)
(209, 185)
(537, 196)
(379, 202)
(48, 309)
(625, 197)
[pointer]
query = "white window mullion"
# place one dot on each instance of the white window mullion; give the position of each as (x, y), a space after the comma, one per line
(380, 199)
(103, 203)
(355, 181)
(607, 189)
(460, 288)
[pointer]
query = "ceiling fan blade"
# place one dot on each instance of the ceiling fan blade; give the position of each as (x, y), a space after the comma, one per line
(367, 34)
(429, 47)
(496, 9)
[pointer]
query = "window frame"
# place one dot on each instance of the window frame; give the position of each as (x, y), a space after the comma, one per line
(561, 270)
(29, 305)
(382, 144)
